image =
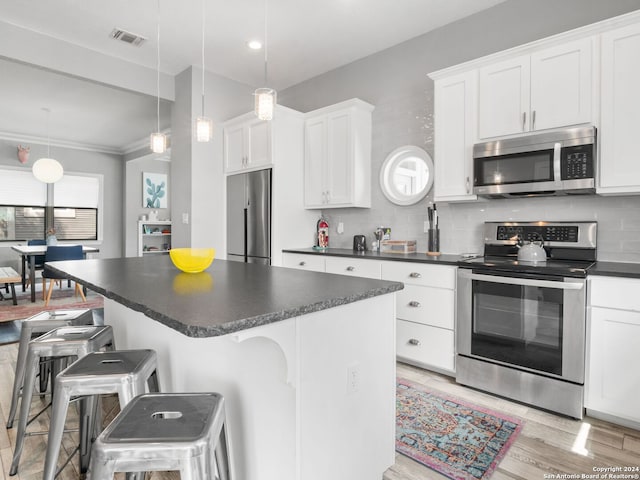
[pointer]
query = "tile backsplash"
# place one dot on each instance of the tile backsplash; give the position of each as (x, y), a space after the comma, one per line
(461, 223)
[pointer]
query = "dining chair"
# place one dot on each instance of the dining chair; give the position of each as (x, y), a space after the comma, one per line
(60, 253)
(38, 262)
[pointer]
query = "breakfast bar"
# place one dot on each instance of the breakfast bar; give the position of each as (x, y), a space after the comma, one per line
(305, 360)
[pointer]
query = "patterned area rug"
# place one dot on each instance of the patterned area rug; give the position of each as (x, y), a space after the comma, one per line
(61, 299)
(457, 439)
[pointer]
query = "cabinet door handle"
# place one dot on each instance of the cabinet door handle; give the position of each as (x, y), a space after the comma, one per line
(524, 120)
(350, 269)
(533, 120)
(414, 341)
(302, 264)
(467, 185)
(413, 303)
(415, 275)
(328, 196)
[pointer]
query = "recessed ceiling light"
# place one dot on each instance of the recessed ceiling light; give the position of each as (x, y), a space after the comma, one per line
(254, 44)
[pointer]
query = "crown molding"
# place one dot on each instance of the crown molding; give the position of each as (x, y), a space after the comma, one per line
(17, 137)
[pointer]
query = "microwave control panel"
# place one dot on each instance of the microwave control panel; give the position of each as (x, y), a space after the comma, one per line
(577, 162)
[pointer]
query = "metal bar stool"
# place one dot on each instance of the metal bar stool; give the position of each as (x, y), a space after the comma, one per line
(34, 326)
(75, 342)
(125, 372)
(166, 431)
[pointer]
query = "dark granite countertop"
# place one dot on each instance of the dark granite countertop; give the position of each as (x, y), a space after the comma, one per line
(225, 298)
(419, 257)
(615, 269)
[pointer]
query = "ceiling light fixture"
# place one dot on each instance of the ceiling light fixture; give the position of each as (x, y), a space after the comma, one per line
(47, 169)
(204, 125)
(158, 139)
(254, 44)
(265, 97)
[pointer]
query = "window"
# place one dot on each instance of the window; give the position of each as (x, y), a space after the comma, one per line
(75, 212)
(23, 206)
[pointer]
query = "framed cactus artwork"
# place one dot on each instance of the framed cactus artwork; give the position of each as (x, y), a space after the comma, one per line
(155, 190)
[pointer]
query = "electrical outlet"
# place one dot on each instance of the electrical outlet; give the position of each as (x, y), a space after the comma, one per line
(426, 226)
(185, 218)
(340, 228)
(353, 378)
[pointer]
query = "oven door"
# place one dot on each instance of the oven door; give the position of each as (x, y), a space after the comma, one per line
(528, 322)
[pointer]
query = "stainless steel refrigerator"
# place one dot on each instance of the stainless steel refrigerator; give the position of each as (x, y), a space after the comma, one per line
(249, 217)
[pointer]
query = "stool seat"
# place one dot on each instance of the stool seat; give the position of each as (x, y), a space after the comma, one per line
(71, 342)
(36, 325)
(125, 372)
(166, 431)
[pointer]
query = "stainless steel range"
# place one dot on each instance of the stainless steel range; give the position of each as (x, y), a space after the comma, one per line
(521, 325)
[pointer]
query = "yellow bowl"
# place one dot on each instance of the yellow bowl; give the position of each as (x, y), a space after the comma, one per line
(192, 260)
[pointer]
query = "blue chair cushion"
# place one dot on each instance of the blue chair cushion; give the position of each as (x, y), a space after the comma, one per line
(60, 253)
(39, 259)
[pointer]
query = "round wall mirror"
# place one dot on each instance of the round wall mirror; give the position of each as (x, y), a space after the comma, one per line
(406, 175)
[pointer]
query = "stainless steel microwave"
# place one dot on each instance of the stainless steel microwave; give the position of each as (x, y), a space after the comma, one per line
(556, 162)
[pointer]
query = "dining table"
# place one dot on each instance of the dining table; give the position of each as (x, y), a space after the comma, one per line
(28, 253)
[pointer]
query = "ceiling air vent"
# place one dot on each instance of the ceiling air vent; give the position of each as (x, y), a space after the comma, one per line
(127, 37)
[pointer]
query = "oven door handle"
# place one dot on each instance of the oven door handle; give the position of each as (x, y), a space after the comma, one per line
(527, 282)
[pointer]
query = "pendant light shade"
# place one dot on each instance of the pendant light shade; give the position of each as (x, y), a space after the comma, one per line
(204, 129)
(204, 125)
(158, 140)
(47, 170)
(265, 97)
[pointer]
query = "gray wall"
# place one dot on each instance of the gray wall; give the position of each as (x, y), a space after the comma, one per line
(111, 167)
(396, 82)
(197, 168)
(133, 200)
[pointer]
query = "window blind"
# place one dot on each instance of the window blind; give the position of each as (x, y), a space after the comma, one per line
(76, 191)
(20, 187)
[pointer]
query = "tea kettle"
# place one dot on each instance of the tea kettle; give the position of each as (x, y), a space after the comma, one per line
(531, 251)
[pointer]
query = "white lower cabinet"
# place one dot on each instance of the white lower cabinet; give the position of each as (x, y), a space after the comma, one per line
(425, 308)
(613, 382)
(425, 312)
(355, 267)
(425, 346)
(314, 263)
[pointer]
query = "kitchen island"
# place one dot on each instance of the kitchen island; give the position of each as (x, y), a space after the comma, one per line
(305, 360)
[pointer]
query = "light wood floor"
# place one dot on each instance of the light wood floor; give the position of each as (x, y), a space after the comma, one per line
(547, 444)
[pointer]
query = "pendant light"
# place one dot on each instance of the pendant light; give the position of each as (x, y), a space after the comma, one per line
(265, 97)
(47, 169)
(204, 125)
(158, 139)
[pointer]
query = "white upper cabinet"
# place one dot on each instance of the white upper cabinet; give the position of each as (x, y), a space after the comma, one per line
(546, 89)
(247, 144)
(337, 156)
(455, 120)
(620, 111)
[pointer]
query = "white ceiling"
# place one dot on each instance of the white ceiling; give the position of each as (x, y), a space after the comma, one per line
(305, 38)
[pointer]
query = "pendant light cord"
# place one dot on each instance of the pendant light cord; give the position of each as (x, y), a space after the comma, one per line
(203, 26)
(48, 133)
(158, 70)
(265, 41)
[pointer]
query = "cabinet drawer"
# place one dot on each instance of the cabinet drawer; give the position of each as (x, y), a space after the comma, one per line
(425, 345)
(353, 266)
(426, 305)
(420, 274)
(614, 292)
(313, 263)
